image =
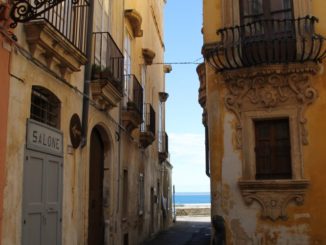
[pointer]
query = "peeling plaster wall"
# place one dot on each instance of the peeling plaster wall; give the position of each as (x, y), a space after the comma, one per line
(244, 224)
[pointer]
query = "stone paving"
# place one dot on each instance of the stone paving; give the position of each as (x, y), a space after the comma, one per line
(186, 231)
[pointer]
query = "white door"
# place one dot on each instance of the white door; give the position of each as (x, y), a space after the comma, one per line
(42, 199)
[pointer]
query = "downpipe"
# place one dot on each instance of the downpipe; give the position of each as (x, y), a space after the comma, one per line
(87, 74)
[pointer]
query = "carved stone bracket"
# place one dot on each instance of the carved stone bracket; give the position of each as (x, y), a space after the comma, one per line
(269, 88)
(274, 196)
(135, 20)
(105, 94)
(148, 55)
(44, 41)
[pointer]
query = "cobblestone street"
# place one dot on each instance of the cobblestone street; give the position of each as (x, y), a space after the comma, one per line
(186, 231)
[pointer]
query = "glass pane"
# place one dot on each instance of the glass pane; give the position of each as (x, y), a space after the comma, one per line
(279, 5)
(252, 7)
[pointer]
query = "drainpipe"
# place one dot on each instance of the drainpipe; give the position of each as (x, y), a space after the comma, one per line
(207, 152)
(87, 73)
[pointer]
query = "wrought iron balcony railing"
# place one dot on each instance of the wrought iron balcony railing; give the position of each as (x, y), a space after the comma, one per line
(107, 60)
(267, 42)
(68, 17)
(133, 93)
(148, 124)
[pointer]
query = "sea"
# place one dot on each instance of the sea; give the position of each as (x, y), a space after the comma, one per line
(185, 198)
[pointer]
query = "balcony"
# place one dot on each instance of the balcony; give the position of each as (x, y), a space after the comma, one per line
(133, 103)
(147, 134)
(57, 36)
(163, 146)
(266, 42)
(107, 71)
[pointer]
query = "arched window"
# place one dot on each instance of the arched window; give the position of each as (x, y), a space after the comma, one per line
(45, 107)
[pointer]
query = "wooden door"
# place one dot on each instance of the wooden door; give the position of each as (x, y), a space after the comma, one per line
(42, 199)
(95, 211)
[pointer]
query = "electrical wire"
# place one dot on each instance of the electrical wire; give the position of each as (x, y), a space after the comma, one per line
(195, 62)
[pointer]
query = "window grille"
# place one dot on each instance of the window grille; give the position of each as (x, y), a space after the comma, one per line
(45, 107)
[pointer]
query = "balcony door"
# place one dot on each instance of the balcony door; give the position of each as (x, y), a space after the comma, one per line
(268, 31)
(101, 25)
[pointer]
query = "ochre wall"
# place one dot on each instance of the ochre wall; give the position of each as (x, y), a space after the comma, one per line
(4, 93)
(244, 224)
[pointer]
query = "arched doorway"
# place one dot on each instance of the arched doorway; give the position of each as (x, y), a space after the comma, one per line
(96, 176)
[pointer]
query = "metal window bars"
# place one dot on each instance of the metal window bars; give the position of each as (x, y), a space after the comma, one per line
(267, 41)
(133, 93)
(148, 124)
(68, 17)
(107, 60)
(45, 107)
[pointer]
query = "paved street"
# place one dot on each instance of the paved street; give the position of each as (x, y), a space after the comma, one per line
(186, 231)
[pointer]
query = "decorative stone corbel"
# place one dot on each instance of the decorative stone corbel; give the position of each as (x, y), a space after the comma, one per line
(163, 96)
(148, 55)
(135, 20)
(274, 196)
(167, 68)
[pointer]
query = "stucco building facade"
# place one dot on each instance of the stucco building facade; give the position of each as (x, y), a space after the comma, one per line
(6, 39)
(262, 88)
(87, 158)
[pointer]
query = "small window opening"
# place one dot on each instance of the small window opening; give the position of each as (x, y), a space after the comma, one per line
(45, 107)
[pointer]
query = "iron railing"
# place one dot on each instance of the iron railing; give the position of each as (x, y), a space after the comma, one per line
(267, 42)
(163, 142)
(68, 17)
(107, 60)
(133, 93)
(148, 124)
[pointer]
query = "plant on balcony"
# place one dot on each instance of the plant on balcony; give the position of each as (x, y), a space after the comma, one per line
(96, 71)
(106, 73)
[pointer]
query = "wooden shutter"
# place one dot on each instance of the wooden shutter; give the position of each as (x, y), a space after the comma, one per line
(273, 151)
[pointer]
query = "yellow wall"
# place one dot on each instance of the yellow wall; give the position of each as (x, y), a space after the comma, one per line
(122, 148)
(305, 224)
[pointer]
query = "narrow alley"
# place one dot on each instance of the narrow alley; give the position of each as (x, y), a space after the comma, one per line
(186, 231)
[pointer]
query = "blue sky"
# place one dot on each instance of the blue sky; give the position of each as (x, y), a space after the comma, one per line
(183, 42)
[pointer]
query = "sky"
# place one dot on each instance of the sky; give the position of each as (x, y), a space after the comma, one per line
(183, 42)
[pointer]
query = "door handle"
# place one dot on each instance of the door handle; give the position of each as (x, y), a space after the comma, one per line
(50, 210)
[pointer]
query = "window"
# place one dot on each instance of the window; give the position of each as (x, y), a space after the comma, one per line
(272, 149)
(143, 82)
(127, 65)
(141, 194)
(252, 10)
(160, 128)
(125, 194)
(45, 107)
(268, 31)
